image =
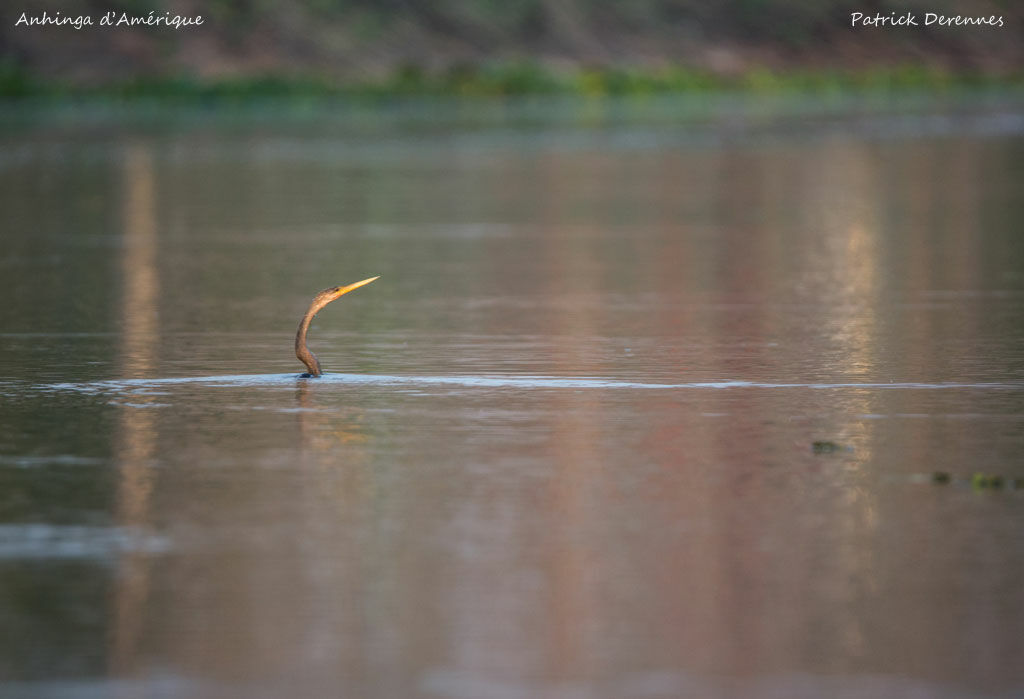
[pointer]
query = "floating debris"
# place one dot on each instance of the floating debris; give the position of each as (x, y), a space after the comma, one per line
(826, 447)
(978, 481)
(985, 481)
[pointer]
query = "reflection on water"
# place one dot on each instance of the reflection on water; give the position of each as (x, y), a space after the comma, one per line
(136, 438)
(565, 446)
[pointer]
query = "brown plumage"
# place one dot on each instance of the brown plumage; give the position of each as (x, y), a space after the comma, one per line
(319, 301)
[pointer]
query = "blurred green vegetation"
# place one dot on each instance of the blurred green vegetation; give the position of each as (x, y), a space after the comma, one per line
(309, 49)
(505, 79)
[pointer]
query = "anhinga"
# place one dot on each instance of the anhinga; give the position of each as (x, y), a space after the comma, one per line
(319, 301)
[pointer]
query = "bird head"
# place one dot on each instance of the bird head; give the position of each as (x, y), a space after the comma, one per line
(328, 295)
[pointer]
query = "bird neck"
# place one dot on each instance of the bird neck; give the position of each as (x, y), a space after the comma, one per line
(301, 350)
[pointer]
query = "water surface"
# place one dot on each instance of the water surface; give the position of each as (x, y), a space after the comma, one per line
(638, 407)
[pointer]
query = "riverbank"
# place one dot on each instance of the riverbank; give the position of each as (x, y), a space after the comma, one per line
(509, 79)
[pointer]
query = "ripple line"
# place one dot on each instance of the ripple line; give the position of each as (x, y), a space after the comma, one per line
(524, 382)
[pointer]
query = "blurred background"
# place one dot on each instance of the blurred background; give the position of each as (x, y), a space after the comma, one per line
(504, 47)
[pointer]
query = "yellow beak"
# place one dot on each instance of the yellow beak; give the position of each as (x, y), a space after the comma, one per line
(342, 290)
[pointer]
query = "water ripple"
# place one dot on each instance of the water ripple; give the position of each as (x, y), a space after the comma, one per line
(38, 540)
(503, 381)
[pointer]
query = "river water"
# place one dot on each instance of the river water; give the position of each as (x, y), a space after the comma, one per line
(647, 402)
